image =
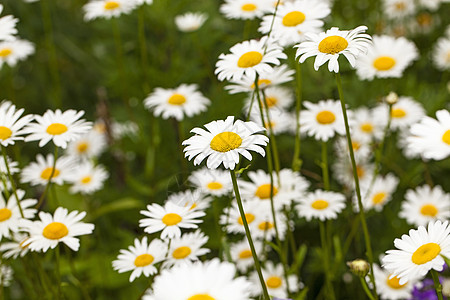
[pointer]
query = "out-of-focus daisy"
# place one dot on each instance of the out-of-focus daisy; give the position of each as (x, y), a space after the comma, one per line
(13, 51)
(122, 129)
(15, 248)
(419, 252)
(169, 219)
(6, 275)
(322, 120)
(57, 126)
(201, 281)
(441, 54)
(39, 172)
(377, 193)
(11, 124)
(7, 27)
(404, 113)
(241, 254)
(366, 126)
(13, 166)
(276, 98)
(224, 141)
(394, 9)
(361, 149)
(10, 213)
(249, 58)
(294, 19)
(232, 220)
(107, 8)
(213, 182)
(140, 258)
(190, 21)
(343, 170)
(431, 5)
(320, 204)
(195, 200)
(327, 46)
(186, 248)
(263, 226)
(431, 137)
(425, 204)
(245, 9)
(275, 281)
(62, 227)
(177, 103)
(87, 178)
(390, 288)
(281, 121)
(141, 2)
(387, 57)
(88, 145)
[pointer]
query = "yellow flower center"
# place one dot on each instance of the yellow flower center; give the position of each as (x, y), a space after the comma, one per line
(384, 63)
(181, 252)
(263, 191)
(225, 141)
(215, 185)
(249, 217)
(319, 204)
(271, 101)
(274, 282)
(47, 172)
(265, 225)
(86, 180)
(82, 147)
(249, 59)
(110, 5)
(171, 219)
(356, 145)
(262, 83)
(325, 117)
(176, 99)
(425, 253)
(379, 198)
(398, 113)
(333, 44)
(56, 129)
(446, 137)
(55, 231)
(5, 52)
(201, 297)
(5, 214)
(245, 254)
(293, 18)
(5, 133)
(424, 19)
(367, 127)
(394, 283)
(429, 210)
(143, 260)
(400, 6)
(360, 171)
(249, 7)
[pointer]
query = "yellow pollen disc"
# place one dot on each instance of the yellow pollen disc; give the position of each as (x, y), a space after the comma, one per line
(356, 145)
(5, 133)
(425, 253)
(359, 171)
(171, 219)
(398, 113)
(446, 137)
(47, 172)
(176, 99)
(143, 260)
(109, 5)
(325, 117)
(86, 180)
(181, 252)
(263, 191)
(5, 52)
(82, 147)
(262, 83)
(215, 185)
(319, 204)
(367, 127)
(245, 254)
(249, 59)
(384, 63)
(249, 217)
(379, 198)
(55, 231)
(201, 297)
(394, 283)
(5, 214)
(424, 19)
(333, 44)
(271, 101)
(249, 7)
(400, 6)
(56, 129)
(265, 225)
(293, 18)
(274, 282)
(429, 210)
(225, 141)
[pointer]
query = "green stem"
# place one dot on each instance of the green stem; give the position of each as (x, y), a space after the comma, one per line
(143, 47)
(326, 258)
(11, 180)
(273, 141)
(324, 165)
(437, 284)
(296, 161)
(49, 182)
(366, 288)
(58, 273)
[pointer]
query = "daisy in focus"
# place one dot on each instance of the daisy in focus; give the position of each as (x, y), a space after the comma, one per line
(327, 46)
(7, 27)
(245, 9)
(390, 288)
(419, 252)
(62, 227)
(177, 103)
(11, 123)
(10, 213)
(187, 248)
(107, 8)
(397, 9)
(14, 51)
(190, 21)
(441, 54)
(87, 178)
(44, 169)
(323, 205)
(224, 141)
(213, 182)
(404, 113)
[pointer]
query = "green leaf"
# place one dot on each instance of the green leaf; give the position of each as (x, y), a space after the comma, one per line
(302, 294)
(118, 205)
(241, 170)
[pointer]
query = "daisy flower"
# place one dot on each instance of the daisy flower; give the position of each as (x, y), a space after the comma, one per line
(387, 57)
(245, 9)
(169, 219)
(394, 9)
(7, 27)
(263, 226)
(195, 200)
(15, 248)
(441, 54)
(431, 137)
(281, 121)
(320, 204)
(294, 19)
(107, 8)
(327, 46)
(232, 220)
(140, 258)
(425, 204)
(10, 213)
(190, 21)
(88, 145)
(13, 51)
(6, 275)
(186, 248)
(275, 281)
(141, 2)
(223, 141)
(87, 178)
(59, 127)
(249, 58)
(212, 182)
(13, 166)
(11, 124)
(419, 252)
(343, 171)
(361, 149)
(377, 193)
(404, 113)
(390, 288)
(322, 120)
(366, 126)
(276, 98)
(209, 280)
(431, 5)
(50, 230)
(184, 100)
(241, 254)
(39, 172)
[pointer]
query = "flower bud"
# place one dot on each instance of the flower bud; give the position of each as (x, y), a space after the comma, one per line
(359, 267)
(391, 98)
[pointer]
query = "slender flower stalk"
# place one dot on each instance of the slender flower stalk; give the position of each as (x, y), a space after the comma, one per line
(143, 47)
(326, 263)
(324, 165)
(58, 271)
(47, 186)
(273, 141)
(296, 161)
(437, 284)
(11, 180)
(366, 288)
